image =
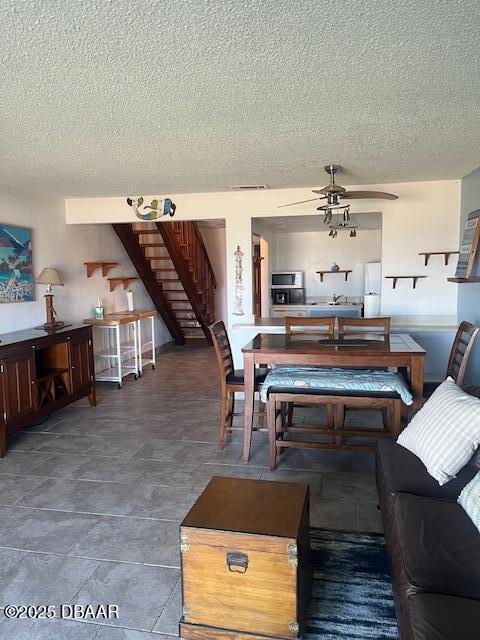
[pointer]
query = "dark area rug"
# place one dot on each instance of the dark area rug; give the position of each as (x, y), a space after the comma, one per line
(352, 596)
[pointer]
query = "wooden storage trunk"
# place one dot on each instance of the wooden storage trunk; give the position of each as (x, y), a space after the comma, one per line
(245, 561)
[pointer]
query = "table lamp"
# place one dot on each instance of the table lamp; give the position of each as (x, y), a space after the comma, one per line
(50, 277)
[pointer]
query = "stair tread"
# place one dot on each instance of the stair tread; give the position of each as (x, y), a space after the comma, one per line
(140, 232)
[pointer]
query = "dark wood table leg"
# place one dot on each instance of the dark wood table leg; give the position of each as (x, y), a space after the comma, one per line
(416, 380)
(92, 398)
(249, 377)
(3, 441)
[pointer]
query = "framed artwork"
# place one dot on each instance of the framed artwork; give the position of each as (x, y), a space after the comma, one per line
(469, 246)
(16, 267)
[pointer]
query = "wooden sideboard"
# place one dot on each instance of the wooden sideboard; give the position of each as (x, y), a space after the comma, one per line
(41, 372)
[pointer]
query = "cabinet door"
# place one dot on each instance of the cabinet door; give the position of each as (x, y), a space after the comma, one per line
(17, 374)
(81, 362)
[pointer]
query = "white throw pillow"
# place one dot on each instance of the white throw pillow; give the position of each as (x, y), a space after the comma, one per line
(470, 500)
(445, 433)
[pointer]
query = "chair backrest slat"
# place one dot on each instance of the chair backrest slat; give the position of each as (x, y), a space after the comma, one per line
(461, 349)
(316, 324)
(356, 325)
(223, 350)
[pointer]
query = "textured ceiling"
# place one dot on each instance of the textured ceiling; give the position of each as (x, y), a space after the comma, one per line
(115, 97)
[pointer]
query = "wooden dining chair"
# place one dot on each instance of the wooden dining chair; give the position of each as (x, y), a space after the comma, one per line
(391, 411)
(324, 325)
(231, 382)
(359, 325)
(461, 350)
(317, 324)
(459, 356)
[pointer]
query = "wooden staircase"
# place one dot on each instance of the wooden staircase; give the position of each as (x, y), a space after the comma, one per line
(173, 264)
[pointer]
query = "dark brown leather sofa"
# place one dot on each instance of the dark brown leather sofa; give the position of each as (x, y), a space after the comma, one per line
(433, 546)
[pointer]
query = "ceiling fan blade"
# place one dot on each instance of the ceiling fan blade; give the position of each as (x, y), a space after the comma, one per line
(357, 195)
(301, 202)
(330, 189)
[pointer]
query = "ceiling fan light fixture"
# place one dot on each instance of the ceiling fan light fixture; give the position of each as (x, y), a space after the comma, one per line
(334, 193)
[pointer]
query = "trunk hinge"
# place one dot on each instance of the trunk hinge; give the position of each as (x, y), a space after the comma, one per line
(184, 546)
(292, 552)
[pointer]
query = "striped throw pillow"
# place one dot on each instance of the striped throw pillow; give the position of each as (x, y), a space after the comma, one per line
(445, 433)
(469, 499)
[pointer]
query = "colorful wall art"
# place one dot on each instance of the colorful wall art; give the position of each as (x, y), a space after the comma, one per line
(16, 269)
(469, 246)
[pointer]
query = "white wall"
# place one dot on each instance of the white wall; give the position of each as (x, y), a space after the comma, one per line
(425, 217)
(215, 244)
(66, 248)
(314, 251)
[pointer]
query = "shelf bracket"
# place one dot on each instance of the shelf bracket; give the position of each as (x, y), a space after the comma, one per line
(446, 255)
(346, 272)
(114, 282)
(104, 266)
(395, 279)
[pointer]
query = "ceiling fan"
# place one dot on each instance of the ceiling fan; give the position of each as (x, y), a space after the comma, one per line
(333, 193)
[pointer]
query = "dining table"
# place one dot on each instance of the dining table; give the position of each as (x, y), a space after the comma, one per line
(361, 349)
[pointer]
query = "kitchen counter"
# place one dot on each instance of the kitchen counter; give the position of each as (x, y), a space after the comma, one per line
(318, 305)
(312, 309)
(400, 324)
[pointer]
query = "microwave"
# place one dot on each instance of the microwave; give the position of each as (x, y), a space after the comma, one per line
(287, 280)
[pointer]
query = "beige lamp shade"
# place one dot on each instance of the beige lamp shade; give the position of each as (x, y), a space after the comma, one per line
(49, 276)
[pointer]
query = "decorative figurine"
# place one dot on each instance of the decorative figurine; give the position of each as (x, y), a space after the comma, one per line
(335, 267)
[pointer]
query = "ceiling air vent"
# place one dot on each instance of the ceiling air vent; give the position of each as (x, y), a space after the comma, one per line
(249, 187)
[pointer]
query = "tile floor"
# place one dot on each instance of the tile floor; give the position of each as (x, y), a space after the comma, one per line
(91, 500)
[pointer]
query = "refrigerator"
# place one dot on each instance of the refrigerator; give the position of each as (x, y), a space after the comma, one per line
(373, 287)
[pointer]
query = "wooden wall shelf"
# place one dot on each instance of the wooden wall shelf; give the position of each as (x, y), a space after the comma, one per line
(446, 255)
(104, 266)
(396, 278)
(465, 280)
(114, 282)
(345, 271)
